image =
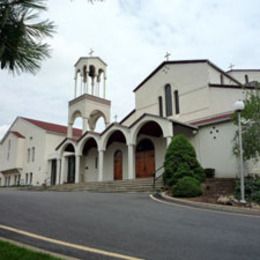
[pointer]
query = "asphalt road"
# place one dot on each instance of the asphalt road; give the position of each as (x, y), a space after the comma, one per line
(130, 224)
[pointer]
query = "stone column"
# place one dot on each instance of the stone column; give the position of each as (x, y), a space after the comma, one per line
(168, 140)
(58, 171)
(75, 90)
(63, 168)
(85, 124)
(104, 87)
(131, 161)
(77, 170)
(100, 165)
(69, 131)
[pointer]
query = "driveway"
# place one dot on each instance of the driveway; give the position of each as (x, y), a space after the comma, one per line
(128, 224)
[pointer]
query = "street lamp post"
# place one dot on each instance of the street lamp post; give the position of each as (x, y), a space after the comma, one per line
(239, 106)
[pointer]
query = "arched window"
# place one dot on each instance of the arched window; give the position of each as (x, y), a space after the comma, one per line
(168, 100)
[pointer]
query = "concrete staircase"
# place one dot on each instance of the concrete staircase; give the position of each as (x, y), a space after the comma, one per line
(137, 185)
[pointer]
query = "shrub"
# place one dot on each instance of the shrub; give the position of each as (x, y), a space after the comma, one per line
(187, 187)
(252, 189)
(181, 161)
(209, 172)
(256, 196)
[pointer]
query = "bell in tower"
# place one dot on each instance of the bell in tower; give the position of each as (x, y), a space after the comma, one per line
(89, 101)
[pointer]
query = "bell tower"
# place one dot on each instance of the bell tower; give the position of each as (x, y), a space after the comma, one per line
(89, 101)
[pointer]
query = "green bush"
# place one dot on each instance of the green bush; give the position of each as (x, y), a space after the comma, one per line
(180, 161)
(252, 189)
(187, 187)
(256, 196)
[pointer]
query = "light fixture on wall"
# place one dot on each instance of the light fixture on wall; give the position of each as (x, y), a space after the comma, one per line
(240, 106)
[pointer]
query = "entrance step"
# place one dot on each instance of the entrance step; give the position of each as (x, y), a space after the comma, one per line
(137, 185)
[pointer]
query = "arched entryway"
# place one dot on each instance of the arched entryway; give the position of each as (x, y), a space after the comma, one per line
(118, 165)
(89, 161)
(145, 159)
(70, 156)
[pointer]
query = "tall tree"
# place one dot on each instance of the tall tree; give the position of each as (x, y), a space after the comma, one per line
(21, 35)
(250, 120)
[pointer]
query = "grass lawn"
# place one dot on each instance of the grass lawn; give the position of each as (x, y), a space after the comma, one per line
(9, 251)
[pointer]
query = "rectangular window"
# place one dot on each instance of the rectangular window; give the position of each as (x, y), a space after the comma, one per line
(177, 102)
(31, 178)
(221, 79)
(28, 154)
(160, 106)
(96, 163)
(26, 178)
(168, 100)
(8, 151)
(33, 154)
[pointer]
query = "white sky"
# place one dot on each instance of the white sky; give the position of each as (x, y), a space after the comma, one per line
(132, 37)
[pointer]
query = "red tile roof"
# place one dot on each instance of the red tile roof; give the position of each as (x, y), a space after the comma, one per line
(17, 134)
(214, 119)
(61, 129)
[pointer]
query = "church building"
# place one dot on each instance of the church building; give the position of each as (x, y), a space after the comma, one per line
(190, 97)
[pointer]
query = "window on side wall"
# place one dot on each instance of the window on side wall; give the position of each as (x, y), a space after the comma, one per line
(177, 102)
(28, 154)
(33, 154)
(31, 178)
(160, 103)
(168, 99)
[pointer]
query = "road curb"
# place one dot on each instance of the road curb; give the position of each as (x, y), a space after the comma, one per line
(209, 206)
(36, 249)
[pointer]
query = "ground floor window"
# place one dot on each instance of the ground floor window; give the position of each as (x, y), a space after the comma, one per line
(31, 178)
(26, 178)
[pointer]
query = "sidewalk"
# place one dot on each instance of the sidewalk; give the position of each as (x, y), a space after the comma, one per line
(231, 209)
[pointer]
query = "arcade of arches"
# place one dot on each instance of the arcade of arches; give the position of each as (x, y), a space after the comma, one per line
(112, 155)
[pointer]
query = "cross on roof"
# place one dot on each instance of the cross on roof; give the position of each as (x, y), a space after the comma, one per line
(167, 55)
(91, 52)
(231, 66)
(115, 118)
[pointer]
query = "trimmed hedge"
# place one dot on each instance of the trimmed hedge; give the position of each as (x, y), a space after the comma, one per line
(187, 187)
(181, 161)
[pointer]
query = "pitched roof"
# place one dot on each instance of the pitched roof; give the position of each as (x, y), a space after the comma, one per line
(61, 129)
(17, 134)
(213, 119)
(185, 62)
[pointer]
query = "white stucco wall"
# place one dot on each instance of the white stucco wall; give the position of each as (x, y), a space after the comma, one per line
(213, 145)
(89, 168)
(215, 75)
(14, 146)
(253, 75)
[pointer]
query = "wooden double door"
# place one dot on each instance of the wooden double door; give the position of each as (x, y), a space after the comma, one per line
(145, 159)
(118, 165)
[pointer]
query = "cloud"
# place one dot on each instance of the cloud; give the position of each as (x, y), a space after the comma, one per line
(132, 36)
(3, 130)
